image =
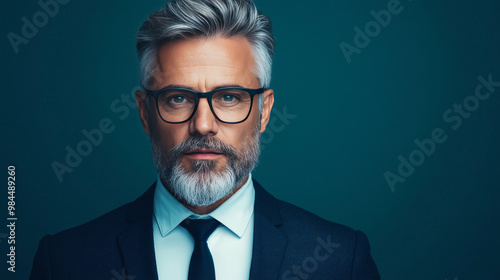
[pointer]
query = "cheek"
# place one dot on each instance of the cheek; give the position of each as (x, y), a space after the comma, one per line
(239, 134)
(170, 135)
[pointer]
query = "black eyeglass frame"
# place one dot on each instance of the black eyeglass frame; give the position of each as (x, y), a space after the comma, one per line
(208, 96)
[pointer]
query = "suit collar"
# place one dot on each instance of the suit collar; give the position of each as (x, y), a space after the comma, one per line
(136, 242)
(269, 242)
(234, 213)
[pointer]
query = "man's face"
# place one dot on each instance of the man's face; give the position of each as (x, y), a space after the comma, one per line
(204, 65)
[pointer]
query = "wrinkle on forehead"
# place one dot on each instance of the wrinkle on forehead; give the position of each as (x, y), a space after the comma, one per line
(203, 64)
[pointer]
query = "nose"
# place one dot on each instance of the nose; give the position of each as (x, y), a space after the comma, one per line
(203, 121)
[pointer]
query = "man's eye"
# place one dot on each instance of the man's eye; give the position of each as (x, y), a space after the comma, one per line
(228, 98)
(178, 99)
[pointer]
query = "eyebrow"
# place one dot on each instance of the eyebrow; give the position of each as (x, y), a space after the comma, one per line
(191, 88)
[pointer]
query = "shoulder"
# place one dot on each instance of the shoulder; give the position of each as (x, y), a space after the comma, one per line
(311, 241)
(69, 254)
(294, 219)
(112, 223)
(304, 227)
(85, 242)
(107, 225)
(297, 218)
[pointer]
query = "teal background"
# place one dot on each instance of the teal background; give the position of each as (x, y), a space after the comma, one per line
(352, 121)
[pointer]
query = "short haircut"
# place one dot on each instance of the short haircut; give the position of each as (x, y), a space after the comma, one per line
(185, 19)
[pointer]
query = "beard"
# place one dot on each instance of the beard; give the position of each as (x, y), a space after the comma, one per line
(203, 184)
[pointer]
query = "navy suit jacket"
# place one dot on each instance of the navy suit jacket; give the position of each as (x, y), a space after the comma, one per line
(289, 243)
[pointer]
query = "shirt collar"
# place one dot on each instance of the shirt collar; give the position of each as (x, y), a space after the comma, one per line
(234, 213)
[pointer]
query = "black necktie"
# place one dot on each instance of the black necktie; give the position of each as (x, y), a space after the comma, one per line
(201, 266)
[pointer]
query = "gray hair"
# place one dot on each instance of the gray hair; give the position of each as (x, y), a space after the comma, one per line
(184, 19)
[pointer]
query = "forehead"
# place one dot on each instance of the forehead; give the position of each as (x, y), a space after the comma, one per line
(205, 63)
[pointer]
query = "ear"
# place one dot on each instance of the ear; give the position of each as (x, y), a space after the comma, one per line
(140, 100)
(267, 105)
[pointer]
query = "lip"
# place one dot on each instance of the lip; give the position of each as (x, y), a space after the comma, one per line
(203, 154)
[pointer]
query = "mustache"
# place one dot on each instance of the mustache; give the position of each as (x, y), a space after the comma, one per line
(203, 142)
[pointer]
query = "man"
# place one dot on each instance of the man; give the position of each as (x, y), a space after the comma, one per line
(205, 70)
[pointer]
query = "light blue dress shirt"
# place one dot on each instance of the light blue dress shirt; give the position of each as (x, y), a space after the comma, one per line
(230, 244)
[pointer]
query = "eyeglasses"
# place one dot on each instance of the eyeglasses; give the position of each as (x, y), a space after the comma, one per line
(228, 104)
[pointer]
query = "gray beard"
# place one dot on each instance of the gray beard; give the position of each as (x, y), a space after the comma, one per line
(204, 185)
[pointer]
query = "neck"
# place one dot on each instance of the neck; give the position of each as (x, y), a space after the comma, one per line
(203, 210)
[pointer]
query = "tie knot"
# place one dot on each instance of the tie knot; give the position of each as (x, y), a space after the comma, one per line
(200, 229)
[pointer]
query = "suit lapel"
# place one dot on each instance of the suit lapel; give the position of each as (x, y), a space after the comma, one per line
(136, 243)
(269, 242)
